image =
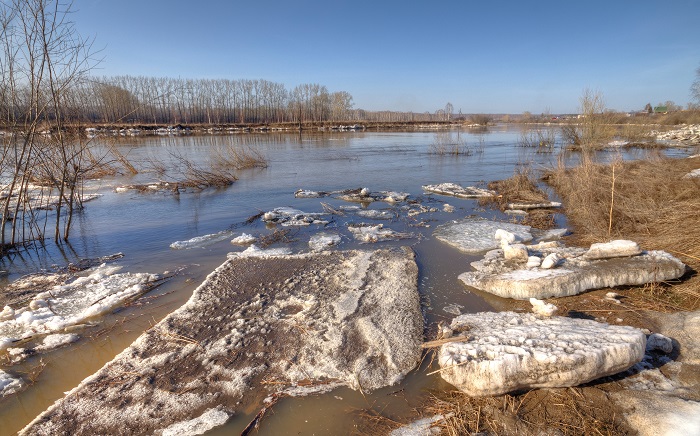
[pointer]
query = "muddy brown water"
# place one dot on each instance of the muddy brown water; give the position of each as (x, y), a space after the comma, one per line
(142, 226)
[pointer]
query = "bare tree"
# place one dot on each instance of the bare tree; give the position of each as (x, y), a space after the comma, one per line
(43, 57)
(695, 87)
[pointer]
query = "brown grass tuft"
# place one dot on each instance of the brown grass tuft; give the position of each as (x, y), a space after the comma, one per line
(650, 202)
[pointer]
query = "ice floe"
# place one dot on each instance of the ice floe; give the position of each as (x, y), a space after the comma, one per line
(476, 235)
(566, 271)
(323, 241)
(256, 327)
(9, 384)
(288, 216)
(618, 248)
(456, 190)
(244, 239)
(73, 302)
(507, 351)
(201, 241)
(367, 233)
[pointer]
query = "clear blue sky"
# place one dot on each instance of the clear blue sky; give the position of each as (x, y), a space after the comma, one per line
(482, 56)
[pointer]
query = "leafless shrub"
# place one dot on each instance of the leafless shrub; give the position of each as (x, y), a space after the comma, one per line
(239, 158)
(481, 119)
(544, 139)
(445, 144)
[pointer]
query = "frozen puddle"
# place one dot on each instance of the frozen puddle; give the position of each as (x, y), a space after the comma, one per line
(549, 270)
(476, 235)
(506, 351)
(72, 302)
(260, 325)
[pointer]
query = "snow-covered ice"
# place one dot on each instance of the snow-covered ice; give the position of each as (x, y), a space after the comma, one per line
(366, 233)
(257, 326)
(422, 427)
(456, 190)
(476, 235)
(542, 308)
(323, 241)
(566, 271)
(507, 351)
(9, 384)
(288, 216)
(244, 239)
(96, 292)
(617, 248)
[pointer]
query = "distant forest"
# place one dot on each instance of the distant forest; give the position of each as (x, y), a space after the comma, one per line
(162, 100)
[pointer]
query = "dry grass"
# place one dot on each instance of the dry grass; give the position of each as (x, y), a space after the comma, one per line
(564, 411)
(520, 188)
(649, 202)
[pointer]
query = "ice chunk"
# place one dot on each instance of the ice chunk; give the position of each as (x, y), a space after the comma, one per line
(376, 214)
(504, 236)
(551, 261)
(71, 303)
(573, 275)
(543, 308)
(9, 384)
(422, 427)
(619, 248)
(368, 233)
(288, 216)
(475, 235)
(456, 190)
(244, 239)
(533, 262)
(57, 340)
(201, 241)
(322, 241)
(659, 342)
(515, 252)
(210, 419)
(500, 356)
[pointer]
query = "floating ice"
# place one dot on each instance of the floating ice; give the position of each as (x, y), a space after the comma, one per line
(455, 190)
(376, 214)
(9, 384)
(255, 251)
(74, 302)
(507, 351)
(369, 233)
(57, 340)
(574, 273)
(323, 241)
(244, 239)
(288, 216)
(475, 235)
(201, 241)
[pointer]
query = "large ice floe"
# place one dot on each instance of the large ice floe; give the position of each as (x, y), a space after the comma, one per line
(359, 195)
(476, 235)
(550, 270)
(456, 190)
(507, 351)
(96, 292)
(259, 326)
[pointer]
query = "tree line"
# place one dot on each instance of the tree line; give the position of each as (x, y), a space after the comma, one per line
(164, 100)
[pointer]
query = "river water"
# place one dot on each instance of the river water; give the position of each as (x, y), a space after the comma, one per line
(142, 227)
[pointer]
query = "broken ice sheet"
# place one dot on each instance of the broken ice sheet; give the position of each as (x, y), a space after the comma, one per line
(475, 235)
(367, 233)
(98, 291)
(288, 216)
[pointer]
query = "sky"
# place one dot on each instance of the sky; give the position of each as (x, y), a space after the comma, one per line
(480, 56)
